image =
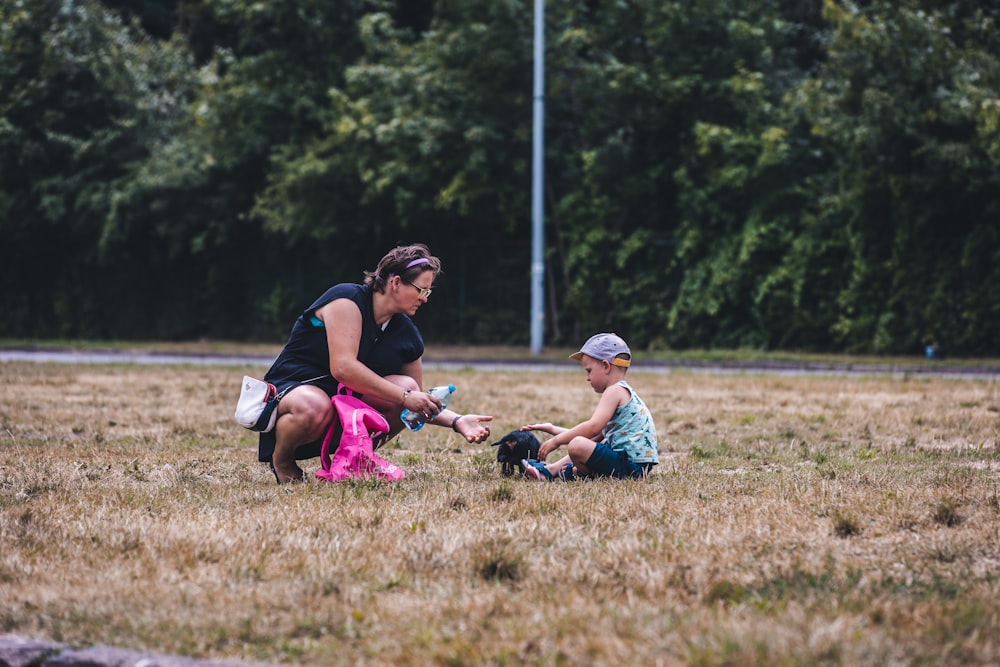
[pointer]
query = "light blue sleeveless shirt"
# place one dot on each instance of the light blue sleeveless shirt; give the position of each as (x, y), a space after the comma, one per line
(631, 429)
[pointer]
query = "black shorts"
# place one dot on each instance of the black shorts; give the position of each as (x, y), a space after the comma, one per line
(607, 462)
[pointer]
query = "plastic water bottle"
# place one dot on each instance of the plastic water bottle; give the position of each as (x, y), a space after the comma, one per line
(415, 420)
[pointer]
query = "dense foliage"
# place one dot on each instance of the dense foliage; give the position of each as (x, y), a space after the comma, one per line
(811, 175)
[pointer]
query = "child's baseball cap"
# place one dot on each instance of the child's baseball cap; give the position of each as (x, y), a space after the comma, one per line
(605, 347)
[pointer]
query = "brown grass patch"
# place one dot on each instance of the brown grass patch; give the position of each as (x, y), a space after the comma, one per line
(794, 520)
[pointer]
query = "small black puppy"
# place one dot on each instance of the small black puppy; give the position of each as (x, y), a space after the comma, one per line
(513, 447)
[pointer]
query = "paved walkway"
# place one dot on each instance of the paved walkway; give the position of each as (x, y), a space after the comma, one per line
(929, 368)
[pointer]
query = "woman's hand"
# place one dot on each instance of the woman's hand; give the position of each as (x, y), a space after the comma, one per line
(471, 427)
(422, 403)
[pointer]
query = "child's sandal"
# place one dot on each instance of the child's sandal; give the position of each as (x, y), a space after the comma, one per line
(536, 470)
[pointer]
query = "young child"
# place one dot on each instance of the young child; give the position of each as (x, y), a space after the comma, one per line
(619, 439)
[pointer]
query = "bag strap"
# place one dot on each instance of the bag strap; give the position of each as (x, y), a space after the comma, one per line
(340, 411)
(355, 417)
(293, 386)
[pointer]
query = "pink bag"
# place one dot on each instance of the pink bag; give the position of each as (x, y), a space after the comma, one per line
(355, 458)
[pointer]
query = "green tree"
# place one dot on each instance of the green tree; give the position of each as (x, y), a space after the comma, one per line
(81, 98)
(768, 173)
(428, 140)
(664, 110)
(905, 105)
(745, 214)
(260, 94)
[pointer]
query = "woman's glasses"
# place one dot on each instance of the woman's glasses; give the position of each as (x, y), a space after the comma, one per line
(422, 292)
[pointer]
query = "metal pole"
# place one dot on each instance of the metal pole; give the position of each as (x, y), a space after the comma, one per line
(537, 180)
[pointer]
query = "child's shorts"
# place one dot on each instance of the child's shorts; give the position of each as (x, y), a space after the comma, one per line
(607, 462)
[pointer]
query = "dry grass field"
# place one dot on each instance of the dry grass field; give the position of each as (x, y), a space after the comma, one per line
(794, 520)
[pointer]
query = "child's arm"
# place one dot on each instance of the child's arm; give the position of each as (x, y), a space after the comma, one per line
(545, 427)
(592, 428)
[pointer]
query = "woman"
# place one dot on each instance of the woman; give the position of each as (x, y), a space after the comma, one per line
(360, 336)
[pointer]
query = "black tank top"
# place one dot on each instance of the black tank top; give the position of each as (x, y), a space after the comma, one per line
(384, 351)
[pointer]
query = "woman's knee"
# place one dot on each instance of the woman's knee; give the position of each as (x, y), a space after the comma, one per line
(312, 409)
(403, 381)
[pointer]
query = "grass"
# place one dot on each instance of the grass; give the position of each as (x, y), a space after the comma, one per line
(803, 520)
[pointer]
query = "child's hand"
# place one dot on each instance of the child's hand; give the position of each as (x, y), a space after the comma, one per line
(546, 449)
(546, 427)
